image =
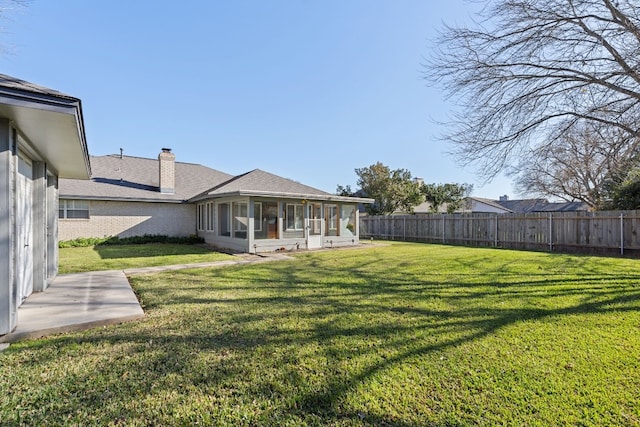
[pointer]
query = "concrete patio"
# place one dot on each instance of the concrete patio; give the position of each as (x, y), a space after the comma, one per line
(74, 302)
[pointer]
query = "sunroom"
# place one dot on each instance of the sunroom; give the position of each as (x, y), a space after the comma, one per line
(261, 212)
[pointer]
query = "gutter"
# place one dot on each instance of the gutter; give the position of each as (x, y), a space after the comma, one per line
(284, 195)
(122, 199)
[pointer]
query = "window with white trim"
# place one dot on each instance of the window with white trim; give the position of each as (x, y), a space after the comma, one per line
(331, 219)
(73, 209)
(210, 216)
(294, 217)
(257, 216)
(348, 220)
(240, 220)
(224, 223)
(200, 219)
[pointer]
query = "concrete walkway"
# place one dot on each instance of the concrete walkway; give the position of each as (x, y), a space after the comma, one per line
(81, 301)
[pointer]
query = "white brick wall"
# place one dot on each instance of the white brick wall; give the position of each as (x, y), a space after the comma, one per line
(167, 163)
(125, 219)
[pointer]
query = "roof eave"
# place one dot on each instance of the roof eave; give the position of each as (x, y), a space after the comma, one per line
(284, 195)
(120, 199)
(53, 125)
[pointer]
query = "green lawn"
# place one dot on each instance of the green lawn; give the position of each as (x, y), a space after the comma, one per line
(119, 257)
(401, 335)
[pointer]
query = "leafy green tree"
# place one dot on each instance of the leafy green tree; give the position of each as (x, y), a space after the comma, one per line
(392, 190)
(345, 191)
(624, 191)
(451, 195)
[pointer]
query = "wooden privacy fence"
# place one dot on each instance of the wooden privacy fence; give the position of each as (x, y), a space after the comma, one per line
(583, 232)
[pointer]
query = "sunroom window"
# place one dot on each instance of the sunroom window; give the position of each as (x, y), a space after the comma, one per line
(295, 217)
(240, 220)
(224, 228)
(348, 220)
(331, 218)
(265, 220)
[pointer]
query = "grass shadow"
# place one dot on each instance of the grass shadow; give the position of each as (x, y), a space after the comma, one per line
(150, 250)
(309, 342)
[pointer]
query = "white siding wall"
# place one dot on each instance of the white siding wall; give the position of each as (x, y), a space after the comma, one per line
(125, 219)
(479, 207)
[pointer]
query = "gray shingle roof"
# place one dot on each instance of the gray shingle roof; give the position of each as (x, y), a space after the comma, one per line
(541, 205)
(134, 178)
(10, 82)
(259, 181)
(565, 207)
(523, 206)
(534, 205)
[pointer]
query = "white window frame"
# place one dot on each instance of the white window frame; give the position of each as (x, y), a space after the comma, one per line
(344, 220)
(332, 220)
(226, 218)
(66, 205)
(200, 218)
(238, 225)
(257, 216)
(210, 213)
(297, 208)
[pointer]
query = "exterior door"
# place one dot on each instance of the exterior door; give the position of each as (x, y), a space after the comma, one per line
(24, 229)
(314, 226)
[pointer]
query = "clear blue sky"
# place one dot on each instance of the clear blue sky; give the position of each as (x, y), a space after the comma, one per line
(309, 90)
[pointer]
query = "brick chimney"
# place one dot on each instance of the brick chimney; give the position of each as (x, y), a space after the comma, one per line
(167, 161)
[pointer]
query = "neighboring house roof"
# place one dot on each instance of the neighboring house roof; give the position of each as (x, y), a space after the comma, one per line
(424, 207)
(51, 122)
(260, 183)
(528, 205)
(523, 206)
(488, 202)
(565, 207)
(118, 177)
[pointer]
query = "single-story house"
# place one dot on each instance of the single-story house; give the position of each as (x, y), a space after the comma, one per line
(253, 212)
(259, 211)
(42, 140)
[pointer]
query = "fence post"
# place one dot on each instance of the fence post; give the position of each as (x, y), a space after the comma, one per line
(550, 232)
(495, 244)
(442, 228)
(621, 233)
(404, 229)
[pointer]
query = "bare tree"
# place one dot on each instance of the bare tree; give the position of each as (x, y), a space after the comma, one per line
(530, 70)
(9, 8)
(579, 166)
